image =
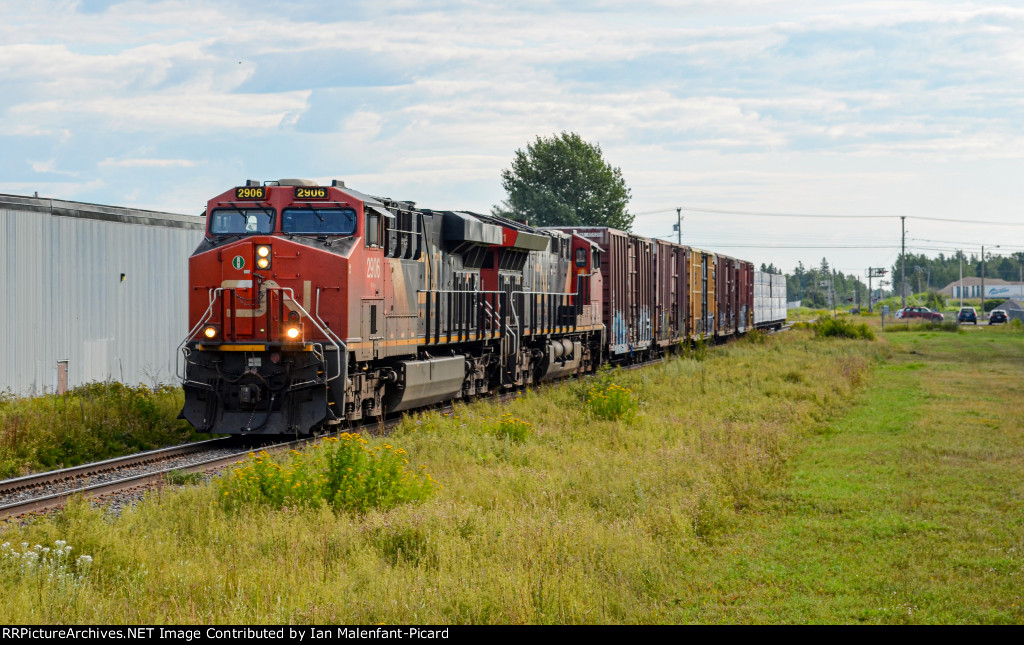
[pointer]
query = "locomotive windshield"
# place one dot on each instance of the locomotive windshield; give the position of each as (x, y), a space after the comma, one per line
(318, 221)
(241, 221)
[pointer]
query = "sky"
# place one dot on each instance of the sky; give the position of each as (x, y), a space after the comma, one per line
(733, 110)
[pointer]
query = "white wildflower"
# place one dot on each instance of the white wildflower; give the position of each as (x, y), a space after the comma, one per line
(60, 544)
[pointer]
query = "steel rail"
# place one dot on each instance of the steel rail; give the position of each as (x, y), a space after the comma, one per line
(64, 474)
(134, 481)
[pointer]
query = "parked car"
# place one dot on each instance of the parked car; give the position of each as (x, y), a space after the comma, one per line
(998, 316)
(924, 313)
(967, 315)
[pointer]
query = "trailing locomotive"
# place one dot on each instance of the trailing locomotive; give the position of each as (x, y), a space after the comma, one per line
(317, 305)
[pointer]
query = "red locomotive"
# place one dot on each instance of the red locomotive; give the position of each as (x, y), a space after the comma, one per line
(316, 305)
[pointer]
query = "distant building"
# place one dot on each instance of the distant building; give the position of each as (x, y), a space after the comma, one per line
(93, 293)
(994, 288)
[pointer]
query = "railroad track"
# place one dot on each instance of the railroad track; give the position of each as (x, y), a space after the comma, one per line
(50, 490)
(47, 491)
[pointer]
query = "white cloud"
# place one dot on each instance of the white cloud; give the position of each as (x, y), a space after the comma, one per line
(148, 163)
(43, 166)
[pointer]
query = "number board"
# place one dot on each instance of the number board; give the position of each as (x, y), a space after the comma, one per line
(310, 192)
(251, 192)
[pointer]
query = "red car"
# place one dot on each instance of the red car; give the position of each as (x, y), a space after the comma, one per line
(924, 313)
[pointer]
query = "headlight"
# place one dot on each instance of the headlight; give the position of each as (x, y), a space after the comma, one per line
(210, 332)
(262, 256)
(292, 332)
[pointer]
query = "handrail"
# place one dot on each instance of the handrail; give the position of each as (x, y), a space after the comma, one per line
(184, 351)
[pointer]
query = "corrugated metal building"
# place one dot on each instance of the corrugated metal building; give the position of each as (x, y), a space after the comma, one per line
(103, 288)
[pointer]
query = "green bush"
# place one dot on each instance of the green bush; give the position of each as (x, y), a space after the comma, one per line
(993, 303)
(341, 471)
(842, 328)
(928, 325)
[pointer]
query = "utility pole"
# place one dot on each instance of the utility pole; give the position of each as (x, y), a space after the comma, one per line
(832, 292)
(679, 225)
(903, 262)
(871, 294)
(982, 312)
(961, 289)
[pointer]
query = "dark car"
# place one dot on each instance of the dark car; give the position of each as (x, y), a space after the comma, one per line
(998, 316)
(967, 315)
(924, 313)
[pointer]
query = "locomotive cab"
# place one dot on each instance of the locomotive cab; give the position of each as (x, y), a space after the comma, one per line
(264, 354)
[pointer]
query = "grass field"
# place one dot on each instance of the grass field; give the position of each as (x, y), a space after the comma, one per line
(787, 479)
(907, 509)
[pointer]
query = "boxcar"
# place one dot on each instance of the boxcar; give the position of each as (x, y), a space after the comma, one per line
(672, 297)
(703, 306)
(629, 294)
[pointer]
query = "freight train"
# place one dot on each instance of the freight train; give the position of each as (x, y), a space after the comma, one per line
(313, 306)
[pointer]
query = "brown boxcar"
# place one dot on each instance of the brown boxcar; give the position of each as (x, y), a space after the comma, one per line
(746, 296)
(629, 297)
(727, 295)
(672, 297)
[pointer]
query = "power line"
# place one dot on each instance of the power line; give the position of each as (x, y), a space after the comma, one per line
(655, 212)
(718, 211)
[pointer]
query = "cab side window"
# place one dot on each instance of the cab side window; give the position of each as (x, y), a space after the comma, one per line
(372, 229)
(581, 257)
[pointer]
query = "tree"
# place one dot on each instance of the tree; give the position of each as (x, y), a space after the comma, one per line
(563, 180)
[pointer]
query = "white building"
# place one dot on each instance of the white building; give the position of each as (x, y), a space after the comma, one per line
(92, 293)
(994, 288)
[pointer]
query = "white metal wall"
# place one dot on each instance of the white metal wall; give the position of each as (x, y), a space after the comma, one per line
(65, 297)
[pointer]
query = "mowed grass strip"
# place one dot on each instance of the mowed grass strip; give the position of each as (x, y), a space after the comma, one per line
(909, 509)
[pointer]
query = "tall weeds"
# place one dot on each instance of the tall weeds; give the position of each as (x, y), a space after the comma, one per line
(90, 422)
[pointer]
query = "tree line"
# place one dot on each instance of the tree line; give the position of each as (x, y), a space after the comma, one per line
(812, 286)
(932, 274)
